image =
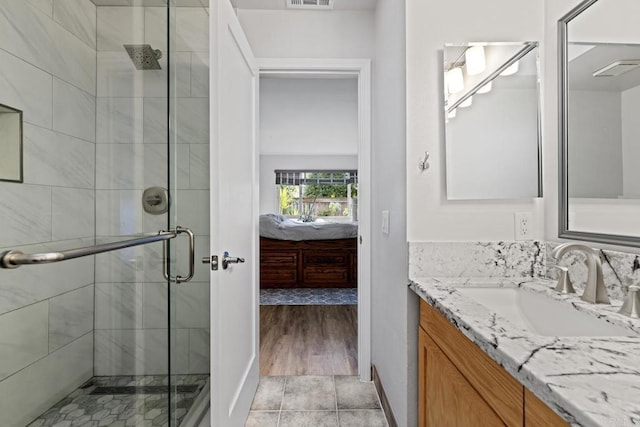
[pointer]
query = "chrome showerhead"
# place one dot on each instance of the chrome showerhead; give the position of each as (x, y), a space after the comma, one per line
(144, 57)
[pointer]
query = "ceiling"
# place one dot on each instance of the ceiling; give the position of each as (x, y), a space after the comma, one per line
(240, 4)
(180, 3)
(280, 4)
(586, 60)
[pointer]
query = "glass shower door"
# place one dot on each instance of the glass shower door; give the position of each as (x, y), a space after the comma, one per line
(189, 193)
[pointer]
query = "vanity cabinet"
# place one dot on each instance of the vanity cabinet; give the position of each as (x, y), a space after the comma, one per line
(537, 413)
(459, 385)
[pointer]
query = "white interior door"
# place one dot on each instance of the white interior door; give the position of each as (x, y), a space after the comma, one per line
(234, 219)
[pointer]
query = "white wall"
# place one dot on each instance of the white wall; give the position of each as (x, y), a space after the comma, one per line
(630, 143)
(592, 24)
(308, 34)
(595, 144)
(308, 116)
(429, 25)
(394, 307)
(269, 163)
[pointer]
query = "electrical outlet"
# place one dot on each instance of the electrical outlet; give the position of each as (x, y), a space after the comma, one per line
(524, 225)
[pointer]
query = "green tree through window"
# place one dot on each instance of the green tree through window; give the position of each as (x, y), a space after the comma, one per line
(316, 196)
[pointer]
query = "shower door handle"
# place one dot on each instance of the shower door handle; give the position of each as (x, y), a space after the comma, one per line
(192, 256)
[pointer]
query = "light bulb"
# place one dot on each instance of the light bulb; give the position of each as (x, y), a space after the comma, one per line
(474, 59)
(455, 81)
(511, 69)
(486, 88)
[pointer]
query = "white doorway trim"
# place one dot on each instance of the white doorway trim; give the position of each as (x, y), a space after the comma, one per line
(362, 69)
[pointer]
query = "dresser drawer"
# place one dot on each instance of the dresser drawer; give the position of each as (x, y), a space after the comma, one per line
(279, 258)
(325, 258)
(278, 276)
(326, 275)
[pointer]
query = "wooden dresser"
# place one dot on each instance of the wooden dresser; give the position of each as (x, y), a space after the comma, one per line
(308, 263)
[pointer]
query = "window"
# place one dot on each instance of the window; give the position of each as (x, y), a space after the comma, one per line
(319, 193)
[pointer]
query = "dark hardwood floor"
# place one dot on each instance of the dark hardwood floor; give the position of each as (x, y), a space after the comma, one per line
(308, 340)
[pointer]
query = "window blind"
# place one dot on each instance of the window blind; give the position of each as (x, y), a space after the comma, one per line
(310, 177)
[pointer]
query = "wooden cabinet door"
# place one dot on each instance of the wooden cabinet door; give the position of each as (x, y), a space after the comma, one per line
(446, 399)
(538, 414)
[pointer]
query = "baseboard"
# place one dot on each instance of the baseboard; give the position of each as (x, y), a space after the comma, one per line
(386, 407)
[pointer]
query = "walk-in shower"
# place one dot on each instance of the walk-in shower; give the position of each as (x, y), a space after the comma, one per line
(104, 316)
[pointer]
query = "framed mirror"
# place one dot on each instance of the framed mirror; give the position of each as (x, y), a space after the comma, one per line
(599, 61)
(10, 144)
(492, 121)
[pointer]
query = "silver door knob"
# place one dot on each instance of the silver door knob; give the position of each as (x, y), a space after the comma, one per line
(226, 260)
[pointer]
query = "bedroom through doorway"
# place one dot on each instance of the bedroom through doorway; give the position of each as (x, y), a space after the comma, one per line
(309, 230)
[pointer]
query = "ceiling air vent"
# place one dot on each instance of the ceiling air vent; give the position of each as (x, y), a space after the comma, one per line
(310, 4)
(617, 68)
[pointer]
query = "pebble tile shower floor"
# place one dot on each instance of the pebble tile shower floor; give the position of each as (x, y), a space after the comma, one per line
(123, 401)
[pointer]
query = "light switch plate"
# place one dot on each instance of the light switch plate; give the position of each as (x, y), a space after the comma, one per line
(385, 222)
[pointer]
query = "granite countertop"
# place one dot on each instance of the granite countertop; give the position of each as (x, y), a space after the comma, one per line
(589, 381)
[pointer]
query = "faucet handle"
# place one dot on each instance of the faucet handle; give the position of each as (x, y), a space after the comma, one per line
(564, 285)
(631, 305)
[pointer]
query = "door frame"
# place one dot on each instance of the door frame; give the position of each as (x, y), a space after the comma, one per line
(361, 68)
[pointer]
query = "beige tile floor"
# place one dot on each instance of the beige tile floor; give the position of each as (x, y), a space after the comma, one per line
(315, 401)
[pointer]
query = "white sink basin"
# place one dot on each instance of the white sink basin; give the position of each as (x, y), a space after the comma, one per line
(541, 315)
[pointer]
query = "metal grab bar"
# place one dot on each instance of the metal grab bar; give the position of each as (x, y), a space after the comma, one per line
(14, 259)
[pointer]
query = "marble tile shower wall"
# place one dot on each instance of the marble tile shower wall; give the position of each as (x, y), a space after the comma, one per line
(131, 151)
(48, 70)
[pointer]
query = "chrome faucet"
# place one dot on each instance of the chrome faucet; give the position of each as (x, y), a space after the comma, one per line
(595, 290)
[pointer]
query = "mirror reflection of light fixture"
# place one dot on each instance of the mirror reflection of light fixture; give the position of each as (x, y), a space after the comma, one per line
(511, 69)
(486, 88)
(474, 59)
(466, 103)
(455, 81)
(451, 114)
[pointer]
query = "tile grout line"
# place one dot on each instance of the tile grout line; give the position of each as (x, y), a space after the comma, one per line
(284, 387)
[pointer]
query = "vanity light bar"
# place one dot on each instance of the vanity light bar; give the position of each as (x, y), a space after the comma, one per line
(617, 68)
